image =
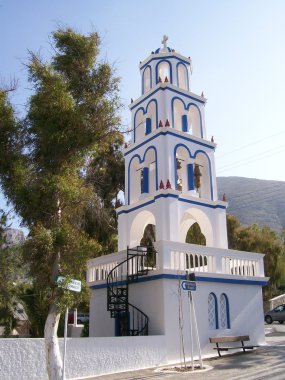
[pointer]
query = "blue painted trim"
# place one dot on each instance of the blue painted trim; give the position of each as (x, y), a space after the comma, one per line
(190, 175)
(216, 309)
(186, 107)
(168, 133)
(177, 67)
(144, 110)
(148, 126)
(141, 160)
(202, 204)
(148, 203)
(170, 70)
(170, 89)
(167, 57)
(143, 78)
(157, 50)
(227, 310)
(184, 277)
(193, 156)
(184, 123)
(171, 196)
(145, 184)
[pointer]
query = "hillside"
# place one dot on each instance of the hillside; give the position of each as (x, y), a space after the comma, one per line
(254, 200)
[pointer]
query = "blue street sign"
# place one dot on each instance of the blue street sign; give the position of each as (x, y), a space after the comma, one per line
(188, 285)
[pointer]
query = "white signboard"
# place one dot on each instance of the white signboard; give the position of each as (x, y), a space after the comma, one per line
(73, 285)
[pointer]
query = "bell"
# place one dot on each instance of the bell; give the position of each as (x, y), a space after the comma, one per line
(197, 175)
(197, 171)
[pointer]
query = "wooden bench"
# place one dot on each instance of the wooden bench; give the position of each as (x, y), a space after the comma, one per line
(231, 339)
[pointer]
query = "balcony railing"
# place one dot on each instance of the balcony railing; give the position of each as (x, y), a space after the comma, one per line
(182, 257)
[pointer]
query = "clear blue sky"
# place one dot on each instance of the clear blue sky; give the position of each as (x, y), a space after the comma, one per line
(238, 54)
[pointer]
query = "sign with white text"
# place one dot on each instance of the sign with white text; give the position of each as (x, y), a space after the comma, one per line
(189, 285)
(73, 285)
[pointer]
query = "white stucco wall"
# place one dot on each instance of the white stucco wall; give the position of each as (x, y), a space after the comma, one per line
(24, 358)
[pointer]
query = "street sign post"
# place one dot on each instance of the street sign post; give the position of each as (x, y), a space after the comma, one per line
(189, 285)
(73, 285)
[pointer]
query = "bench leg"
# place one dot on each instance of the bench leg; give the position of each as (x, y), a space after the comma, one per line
(242, 346)
(218, 349)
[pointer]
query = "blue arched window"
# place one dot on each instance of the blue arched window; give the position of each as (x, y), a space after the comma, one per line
(184, 123)
(224, 312)
(213, 312)
(148, 125)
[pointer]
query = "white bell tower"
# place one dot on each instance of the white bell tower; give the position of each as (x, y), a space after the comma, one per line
(170, 176)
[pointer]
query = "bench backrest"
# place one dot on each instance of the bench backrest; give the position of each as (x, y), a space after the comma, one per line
(225, 339)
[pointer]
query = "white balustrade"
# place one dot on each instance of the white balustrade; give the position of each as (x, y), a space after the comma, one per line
(181, 257)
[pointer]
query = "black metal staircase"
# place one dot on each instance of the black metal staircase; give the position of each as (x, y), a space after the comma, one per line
(131, 320)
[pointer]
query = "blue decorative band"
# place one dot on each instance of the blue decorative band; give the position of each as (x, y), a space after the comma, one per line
(162, 133)
(171, 196)
(183, 277)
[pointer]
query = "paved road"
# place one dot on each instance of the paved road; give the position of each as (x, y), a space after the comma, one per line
(265, 363)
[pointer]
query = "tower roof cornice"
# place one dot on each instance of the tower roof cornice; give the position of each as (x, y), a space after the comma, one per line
(169, 55)
(171, 87)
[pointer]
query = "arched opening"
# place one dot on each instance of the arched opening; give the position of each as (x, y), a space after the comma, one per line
(135, 179)
(195, 236)
(151, 116)
(182, 76)
(148, 237)
(139, 125)
(147, 241)
(192, 216)
(138, 227)
(180, 121)
(183, 180)
(194, 121)
(203, 184)
(149, 163)
(186, 118)
(146, 79)
(163, 71)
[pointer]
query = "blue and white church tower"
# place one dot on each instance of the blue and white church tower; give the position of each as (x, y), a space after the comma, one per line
(170, 183)
(170, 177)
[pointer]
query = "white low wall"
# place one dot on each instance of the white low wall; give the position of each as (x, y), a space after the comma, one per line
(25, 359)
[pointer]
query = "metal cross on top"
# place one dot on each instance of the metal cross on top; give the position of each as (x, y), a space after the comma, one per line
(164, 41)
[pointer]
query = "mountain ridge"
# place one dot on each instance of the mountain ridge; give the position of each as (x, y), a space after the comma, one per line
(254, 200)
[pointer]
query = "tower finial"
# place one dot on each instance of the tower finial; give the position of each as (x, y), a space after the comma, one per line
(164, 41)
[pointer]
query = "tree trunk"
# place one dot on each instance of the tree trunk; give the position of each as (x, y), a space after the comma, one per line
(53, 356)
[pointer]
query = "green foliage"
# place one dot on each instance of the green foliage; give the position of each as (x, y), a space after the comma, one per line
(254, 238)
(71, 122)
(11, 265)
(195, 236)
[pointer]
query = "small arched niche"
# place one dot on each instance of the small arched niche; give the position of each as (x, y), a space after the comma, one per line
(163, 71)
(182, 76)
(147, 79)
